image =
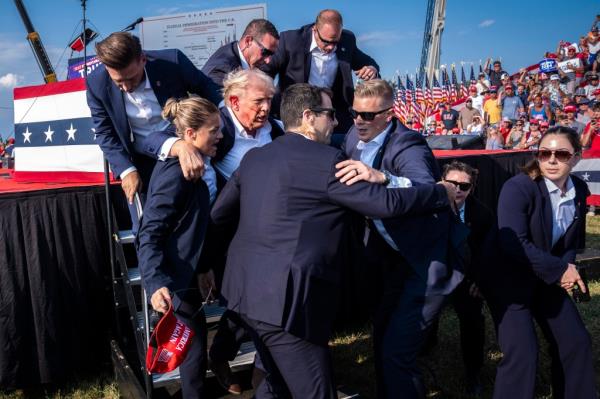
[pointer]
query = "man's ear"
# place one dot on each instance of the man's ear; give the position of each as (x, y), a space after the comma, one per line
(235, 102)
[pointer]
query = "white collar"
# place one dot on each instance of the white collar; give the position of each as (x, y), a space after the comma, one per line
(552, 188)
(245, 64)
(378, 140)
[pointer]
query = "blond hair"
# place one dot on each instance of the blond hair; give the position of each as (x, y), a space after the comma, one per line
(236, 82)
(377, 88)
(191, 112)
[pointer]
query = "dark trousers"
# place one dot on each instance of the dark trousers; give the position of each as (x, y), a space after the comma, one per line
(568, 339)
(193, 368)
(400, 323)
(228, 338)
(295, 368)
(469, 311)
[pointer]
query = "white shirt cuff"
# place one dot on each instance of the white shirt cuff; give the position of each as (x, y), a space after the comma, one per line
(166, 148)
(399, 182)
(127, 171)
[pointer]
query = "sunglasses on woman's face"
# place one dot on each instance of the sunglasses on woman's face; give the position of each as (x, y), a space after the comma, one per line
(563, 156)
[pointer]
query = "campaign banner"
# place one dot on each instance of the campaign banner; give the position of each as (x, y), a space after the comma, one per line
(75, 66)
(588, 169)
(548, 65)
(569, 65)
(199, 34)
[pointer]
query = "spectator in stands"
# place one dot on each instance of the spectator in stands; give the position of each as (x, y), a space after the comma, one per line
(10, 146)
(544, 125)
(584, 112)
(589, 139)
(570, 112)
(592, 85)
(2, 151)
(530, 140)
(539, 110)
(492, 108)
(523, 94)
(449, 118)
(465, 116)
(476, 99)
(483, 85)
(541, 221)
(495, 73)
(494, 140)
(171, 233)
(515, 135)
(511, 104)
(555, 92)
(579, 95)
(573, 67)
(505, 82)
(505, 128)
(476, 126)
(593, 45)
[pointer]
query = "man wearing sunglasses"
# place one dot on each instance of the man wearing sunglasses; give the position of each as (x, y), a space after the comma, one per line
(255, 48)
(410, 252)
(323, 54)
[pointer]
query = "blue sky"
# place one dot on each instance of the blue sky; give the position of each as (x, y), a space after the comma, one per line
(391, 31)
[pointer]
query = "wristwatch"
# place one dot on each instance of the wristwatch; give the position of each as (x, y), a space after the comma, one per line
(388, 177)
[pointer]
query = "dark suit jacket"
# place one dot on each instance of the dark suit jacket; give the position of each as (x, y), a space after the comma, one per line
(422, 239)
(482, 225)
(292, 62)
(223, 61)
(525, 235)
(171, 74)
(283, 266)
(172, 229)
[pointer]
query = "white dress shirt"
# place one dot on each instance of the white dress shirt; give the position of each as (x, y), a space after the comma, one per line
(144, 115)
(210, 178)
(563, 208)
(243, 142)
(245, 64)
(323, 66)
(367, 156)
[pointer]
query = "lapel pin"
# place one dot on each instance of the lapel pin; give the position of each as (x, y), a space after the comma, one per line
(158, 83)
(343, 48)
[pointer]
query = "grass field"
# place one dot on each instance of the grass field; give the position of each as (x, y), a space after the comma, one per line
(353, 358)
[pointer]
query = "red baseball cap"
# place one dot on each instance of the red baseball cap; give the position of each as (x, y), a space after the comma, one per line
(534, 121)
(544, 123)
(169, 344)
(570, 108)
(508, 87)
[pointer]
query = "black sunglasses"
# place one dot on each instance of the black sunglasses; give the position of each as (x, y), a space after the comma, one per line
(462, 186)
(329, 111)
(264, 52)
(331, 42)
(366, 116)
(563, 156)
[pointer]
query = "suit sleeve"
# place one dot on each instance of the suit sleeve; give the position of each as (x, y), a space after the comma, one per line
(513, 235)
(106, 136)
(227, 206)
(155, 140)
(415, 162)
(197, 82)
(378, 202)
(167, 196)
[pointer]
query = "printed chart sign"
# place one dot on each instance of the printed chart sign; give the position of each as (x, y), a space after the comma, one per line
(199, 33)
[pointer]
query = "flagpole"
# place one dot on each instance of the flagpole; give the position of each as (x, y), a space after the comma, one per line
(83, 6)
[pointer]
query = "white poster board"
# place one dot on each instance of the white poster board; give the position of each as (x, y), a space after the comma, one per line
(199, 33)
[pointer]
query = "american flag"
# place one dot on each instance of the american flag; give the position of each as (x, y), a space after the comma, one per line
(409, 93)
(464, 86)
(454, 86)
(54, 137)
(437, 91)
(400, 102)
(445, 85)
(588, 169)
(419, 96)
(472, 77)
(428, 95)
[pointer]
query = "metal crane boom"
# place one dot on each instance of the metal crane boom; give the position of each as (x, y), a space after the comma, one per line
(432, 37)
(36, 45)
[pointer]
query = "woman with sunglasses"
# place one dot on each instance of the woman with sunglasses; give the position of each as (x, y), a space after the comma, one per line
(541, 221)
(172, 230)
(494, 140)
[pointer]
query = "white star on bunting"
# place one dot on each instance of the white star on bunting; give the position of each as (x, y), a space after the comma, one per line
(71, 133)
(586, 176)
(95, 135)
(26, 136)
(48, 134)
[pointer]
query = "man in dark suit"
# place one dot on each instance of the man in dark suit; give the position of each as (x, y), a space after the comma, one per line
(412, 251)
(126, 96)
(323, 54)
(282, 274)
(255, 48)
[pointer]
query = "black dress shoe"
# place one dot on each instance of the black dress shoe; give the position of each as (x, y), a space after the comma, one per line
(225, 377)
